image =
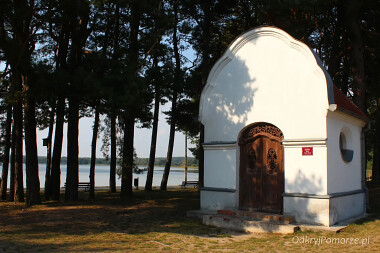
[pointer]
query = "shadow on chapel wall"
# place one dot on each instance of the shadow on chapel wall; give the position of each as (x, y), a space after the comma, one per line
(232, 99)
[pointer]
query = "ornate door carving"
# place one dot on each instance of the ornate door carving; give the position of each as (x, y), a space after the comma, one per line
(261, 168)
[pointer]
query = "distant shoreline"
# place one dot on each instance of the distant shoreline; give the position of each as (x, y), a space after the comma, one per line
(159, 161)
(162, 166)
(191, 168)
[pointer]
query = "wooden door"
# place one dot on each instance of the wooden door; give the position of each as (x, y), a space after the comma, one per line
(261, 170)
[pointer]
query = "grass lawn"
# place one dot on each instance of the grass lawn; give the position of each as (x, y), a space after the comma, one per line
(155, 222)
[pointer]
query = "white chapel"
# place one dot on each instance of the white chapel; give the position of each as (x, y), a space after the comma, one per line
(279, 136)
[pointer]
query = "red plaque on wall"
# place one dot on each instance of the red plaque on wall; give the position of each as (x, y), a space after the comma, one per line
(307, 150)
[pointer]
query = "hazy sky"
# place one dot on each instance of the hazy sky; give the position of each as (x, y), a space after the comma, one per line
(141, 141)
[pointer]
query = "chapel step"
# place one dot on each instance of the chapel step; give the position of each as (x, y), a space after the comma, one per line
(247, 224)
(284, 219)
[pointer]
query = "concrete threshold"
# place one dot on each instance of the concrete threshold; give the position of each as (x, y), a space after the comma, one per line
(333, 229)
(246, 225)
(320, 228)
(241, 221)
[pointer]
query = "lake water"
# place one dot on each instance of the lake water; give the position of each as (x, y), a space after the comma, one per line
(176, 176)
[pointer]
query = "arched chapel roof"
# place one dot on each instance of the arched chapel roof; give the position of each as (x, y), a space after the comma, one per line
(336, 99)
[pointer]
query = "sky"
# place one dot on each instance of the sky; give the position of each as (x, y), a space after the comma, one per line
(141, 141)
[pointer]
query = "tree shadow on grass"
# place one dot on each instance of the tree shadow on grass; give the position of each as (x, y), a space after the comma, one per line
(147, 212)
(371, 218)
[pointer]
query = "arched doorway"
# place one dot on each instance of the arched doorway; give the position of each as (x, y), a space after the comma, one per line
(261, 179)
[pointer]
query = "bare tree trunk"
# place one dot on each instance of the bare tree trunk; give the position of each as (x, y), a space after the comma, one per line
(353, 21)
(7, 146)
(71, 191)
(93, 153)
(12, 168)
(113, 110)
(79, 33)
(127, 165)
(55, 180)
(113, 153)
(376, 148)
(18, 121)
(334, 59)
(19, 184)
(169, 155)
(48, 154)
(152, 154)
(157, 96)
(205, 68)
(32, 177)
(129, 118)
(177, 80)
(185, 156)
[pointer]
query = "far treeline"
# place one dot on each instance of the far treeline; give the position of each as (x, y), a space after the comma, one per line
(118, 61)
(159, 161)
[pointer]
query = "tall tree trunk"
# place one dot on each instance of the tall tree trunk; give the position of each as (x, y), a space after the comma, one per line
(79, 18)
(55, 180)
(116, 32)
(157, 97)
(115, 57)
(113, 152)
(93, 153)
(19, 184)
(127, 165)
(205, 68)
(334, 59)
(129, 116)
(165, 176)
(48, 154)
(376, 148)
(353, 14)
(71, 192)
(61, 64)
(7, 146)
(12, 168)
(353, 23)
(152, 154)
(186, 156)
(32, 177)
(177, 80)
(18, 121)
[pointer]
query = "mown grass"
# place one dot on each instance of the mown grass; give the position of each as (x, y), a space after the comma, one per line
(153, 222)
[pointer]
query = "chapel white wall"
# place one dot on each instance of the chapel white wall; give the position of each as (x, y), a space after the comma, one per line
(343, 176)
(214, 200)
(275, 79)
(220, 164)
(308, 210)
(305, 174)
(346, 207)
(267, 80)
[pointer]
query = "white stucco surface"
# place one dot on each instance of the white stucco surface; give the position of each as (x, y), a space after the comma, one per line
(343, 176)
(267, 76)
(346, 207)
(308, 210)
(212, 200)
(306, 174)
(223, 162)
